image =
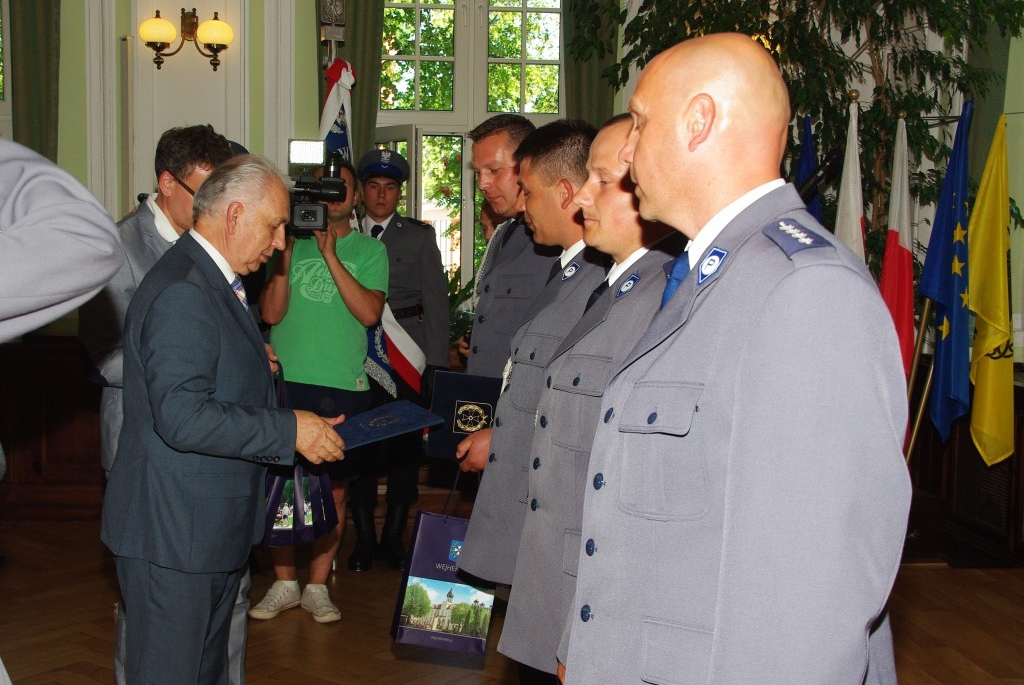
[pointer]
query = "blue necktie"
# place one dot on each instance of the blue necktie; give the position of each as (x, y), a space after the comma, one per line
(239, 289)
(680, 267)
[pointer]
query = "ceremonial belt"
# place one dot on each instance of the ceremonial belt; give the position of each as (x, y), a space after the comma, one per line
(406, 312)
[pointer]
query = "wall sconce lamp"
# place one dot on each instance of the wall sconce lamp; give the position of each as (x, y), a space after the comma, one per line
(158, 33)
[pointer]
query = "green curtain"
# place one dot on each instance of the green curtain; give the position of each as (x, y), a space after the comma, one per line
(35, 72)
(588, 96)
(364, 34)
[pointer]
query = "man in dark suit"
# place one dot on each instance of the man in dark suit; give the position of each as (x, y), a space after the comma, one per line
(552, 167)
(746, 499)
(184, 500)
(618, 312)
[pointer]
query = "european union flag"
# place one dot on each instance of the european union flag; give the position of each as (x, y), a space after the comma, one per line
(807, 164)
(944, 281)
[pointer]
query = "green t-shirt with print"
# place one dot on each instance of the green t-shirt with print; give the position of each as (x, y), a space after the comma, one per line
(319, 341)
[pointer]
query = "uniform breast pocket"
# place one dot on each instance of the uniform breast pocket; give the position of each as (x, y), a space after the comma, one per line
(664, 467)
(580, 384)
(530, 355)
(402, 265)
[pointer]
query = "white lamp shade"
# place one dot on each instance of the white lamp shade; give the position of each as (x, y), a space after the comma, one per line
(157, 30)
(215, 32)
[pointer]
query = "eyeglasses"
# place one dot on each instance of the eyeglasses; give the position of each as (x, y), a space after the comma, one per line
(183, 184)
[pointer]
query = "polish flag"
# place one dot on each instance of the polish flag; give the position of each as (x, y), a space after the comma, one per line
(897, 284)
(850, 213)
(407, 359)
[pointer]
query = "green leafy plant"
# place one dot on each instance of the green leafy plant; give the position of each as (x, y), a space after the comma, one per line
(460, 319)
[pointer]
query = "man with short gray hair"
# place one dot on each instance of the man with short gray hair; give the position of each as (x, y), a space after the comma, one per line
(184, 500)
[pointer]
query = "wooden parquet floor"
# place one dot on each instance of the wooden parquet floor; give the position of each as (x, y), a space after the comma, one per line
(58, 588)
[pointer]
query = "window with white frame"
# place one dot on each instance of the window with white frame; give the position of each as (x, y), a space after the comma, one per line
(447, 65)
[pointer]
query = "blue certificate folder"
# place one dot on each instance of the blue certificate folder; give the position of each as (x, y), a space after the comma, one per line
(466, 404)
(385, 421)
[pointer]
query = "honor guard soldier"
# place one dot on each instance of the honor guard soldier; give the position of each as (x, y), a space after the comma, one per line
(418, 297)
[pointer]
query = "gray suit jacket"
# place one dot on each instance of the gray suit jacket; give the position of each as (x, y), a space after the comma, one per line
(513, 277)
(747, 497)
(492, 540)
(417, 277)
(187, 488)
(58, 246)
(101, 319)
(545, 575)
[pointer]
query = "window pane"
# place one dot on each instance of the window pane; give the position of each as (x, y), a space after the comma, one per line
(399, 31)
(437, 83)
(552, 4)
(503, 87)
(542, 88)
(401, 2)
(396, 84)
(441, 193)
(436, 2)
(437, 32)
(506, 3)
(505, 35)
(542, 29)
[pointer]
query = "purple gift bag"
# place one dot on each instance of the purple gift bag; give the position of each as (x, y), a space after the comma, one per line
(436, 608)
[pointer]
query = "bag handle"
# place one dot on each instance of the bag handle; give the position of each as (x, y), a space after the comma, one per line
(451, 493)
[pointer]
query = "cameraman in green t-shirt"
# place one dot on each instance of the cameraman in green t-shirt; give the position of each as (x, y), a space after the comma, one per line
(321, 295)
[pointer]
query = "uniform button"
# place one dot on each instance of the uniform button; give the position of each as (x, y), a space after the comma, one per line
(585, 613)
(543, 422)
(576, 381)
(599, 481)
(509, 291)
(536, 463)
(490, 457)
(533, 504)
(517, 351)
(652, 417)
(549, 381)
(475, 350)
(480, 318)
(532, 355)
(609, 414)
(487, 288)
(591, 547)
(497, 422)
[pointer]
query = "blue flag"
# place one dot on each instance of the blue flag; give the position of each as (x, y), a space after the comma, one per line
(806, 165)
(944, 281)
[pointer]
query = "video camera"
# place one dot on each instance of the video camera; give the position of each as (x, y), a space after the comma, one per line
(307, 214)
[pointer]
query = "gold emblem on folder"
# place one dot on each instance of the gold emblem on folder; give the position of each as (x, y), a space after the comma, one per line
(471, 416)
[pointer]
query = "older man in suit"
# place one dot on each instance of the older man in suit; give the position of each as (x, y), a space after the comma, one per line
(618, 312)
(746, 498)
(184, 500)
(552, 167)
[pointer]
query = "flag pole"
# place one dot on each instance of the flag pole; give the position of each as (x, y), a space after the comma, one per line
(920, 413)
(922, 328)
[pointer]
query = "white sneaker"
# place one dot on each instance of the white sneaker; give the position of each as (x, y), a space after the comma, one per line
(316, 601)
(282, 595)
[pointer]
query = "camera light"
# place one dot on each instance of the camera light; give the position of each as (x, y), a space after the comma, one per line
(306, 152)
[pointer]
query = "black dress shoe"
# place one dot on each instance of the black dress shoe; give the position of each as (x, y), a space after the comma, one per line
(361, 558)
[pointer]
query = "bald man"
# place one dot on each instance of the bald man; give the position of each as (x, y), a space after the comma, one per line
(746, 496)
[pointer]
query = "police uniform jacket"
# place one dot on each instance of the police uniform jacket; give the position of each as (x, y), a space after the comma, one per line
(746, 498)
(512, 278)
(101, 320)
(570, 403)
(492, 540)
(417, 277)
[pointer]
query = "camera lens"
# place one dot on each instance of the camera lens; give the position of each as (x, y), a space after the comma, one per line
(308, 216)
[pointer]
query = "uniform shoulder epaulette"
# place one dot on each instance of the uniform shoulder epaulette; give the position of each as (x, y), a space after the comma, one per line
(417, 222)
(793, 237)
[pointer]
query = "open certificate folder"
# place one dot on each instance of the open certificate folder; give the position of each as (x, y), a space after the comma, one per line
(383, 422)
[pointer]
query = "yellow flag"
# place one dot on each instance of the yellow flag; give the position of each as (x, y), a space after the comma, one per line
(992, 357)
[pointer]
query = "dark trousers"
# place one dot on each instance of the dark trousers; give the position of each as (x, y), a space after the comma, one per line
(177, 623)
(398, 458)
(529, 675)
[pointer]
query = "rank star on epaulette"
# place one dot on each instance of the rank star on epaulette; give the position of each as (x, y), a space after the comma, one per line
(792, 237)
(570, 271)
(627, 285)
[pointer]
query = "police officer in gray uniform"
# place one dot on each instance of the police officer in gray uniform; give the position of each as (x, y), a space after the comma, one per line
(514, 268)
(418, 297)
(552, 167)
(746, 499)
(619, 311)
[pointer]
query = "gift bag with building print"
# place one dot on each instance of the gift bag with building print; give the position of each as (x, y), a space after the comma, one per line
(436, 607)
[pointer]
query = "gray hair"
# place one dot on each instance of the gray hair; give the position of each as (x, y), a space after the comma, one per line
(243, 178)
